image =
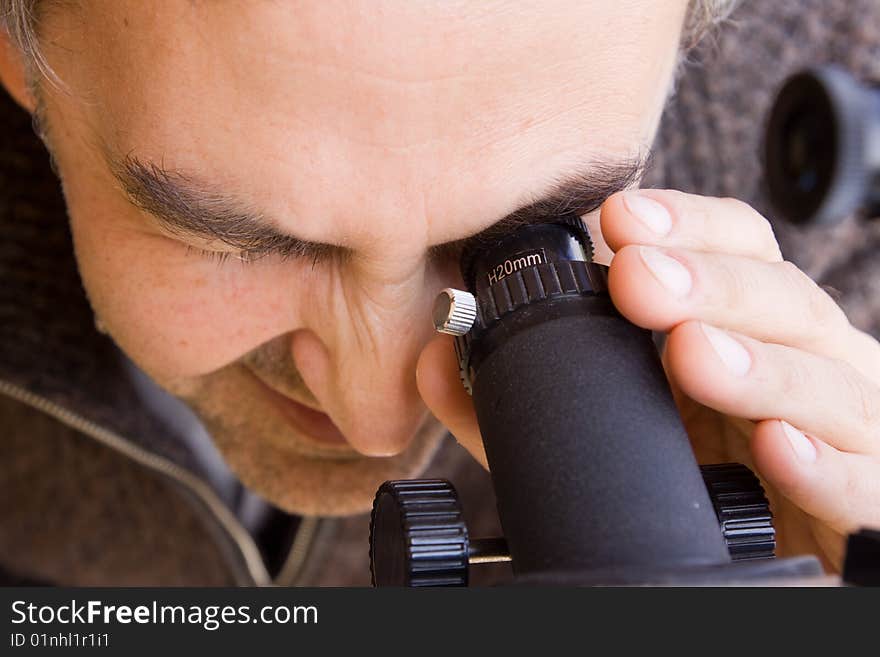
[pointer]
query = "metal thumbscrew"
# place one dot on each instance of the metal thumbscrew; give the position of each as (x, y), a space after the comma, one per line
(454, 311)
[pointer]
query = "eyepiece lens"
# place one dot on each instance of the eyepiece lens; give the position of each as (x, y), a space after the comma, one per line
(817, 156)
(805, 146)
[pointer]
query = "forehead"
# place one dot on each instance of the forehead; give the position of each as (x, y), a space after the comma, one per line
(406, 106)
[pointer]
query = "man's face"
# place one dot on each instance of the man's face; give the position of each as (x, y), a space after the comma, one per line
(385, 129)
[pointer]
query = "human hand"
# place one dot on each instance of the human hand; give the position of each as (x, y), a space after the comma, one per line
(765, 368)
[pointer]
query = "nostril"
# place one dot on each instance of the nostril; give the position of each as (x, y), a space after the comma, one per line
(377, 451)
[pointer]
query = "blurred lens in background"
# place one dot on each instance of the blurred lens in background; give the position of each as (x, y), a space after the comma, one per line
(822, 147)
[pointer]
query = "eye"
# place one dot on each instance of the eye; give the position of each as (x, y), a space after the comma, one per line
(251, 256)
(221, 257)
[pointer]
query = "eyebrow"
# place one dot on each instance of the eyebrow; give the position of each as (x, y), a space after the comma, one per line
(187, 207)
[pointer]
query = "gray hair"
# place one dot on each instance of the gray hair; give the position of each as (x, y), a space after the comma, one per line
(22, 20)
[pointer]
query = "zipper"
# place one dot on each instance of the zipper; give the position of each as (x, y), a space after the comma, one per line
(291, 571)
(247, 547)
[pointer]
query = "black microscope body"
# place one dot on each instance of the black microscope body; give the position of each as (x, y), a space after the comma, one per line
(595, 479)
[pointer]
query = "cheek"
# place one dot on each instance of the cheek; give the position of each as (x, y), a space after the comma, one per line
(179, 315)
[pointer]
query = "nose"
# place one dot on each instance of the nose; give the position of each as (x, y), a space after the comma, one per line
(361, 370)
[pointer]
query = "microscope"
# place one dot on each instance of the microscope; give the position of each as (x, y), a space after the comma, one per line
(594, 475)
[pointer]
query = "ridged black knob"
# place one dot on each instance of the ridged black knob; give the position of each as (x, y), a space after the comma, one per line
(742, 509)
(417, 535)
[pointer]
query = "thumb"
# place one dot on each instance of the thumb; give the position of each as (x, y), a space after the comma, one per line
(437, 378)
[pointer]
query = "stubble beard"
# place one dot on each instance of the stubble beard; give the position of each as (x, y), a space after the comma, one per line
(270, 456)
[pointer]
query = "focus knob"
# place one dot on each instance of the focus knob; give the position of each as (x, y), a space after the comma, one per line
(417, 535)
(742, 509)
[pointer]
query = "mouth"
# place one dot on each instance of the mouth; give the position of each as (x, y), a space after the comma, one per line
(309, 423)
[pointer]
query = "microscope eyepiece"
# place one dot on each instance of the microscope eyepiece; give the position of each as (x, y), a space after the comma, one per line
(530, 270)
(563, 240)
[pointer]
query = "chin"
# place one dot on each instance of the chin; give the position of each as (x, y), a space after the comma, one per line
(292, 472)
(320, 486)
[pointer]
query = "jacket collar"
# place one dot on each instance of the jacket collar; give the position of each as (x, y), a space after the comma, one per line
(48, 342)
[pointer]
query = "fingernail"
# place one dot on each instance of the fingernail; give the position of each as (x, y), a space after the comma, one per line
(651, 213)
(732, 353)
(670, 272)
(800, 444)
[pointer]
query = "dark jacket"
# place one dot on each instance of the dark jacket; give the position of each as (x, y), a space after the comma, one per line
(94, 490)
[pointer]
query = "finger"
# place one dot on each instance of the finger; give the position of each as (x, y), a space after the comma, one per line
(437, 378)
(838, 488)
(700, 223)
(746, 378)
(773, 302)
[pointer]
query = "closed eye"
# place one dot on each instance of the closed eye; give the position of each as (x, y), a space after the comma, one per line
(317, 254)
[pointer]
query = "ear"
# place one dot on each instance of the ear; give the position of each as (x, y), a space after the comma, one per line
(12, 73)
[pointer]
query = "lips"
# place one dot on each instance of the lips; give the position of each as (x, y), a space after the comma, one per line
(306, 421)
